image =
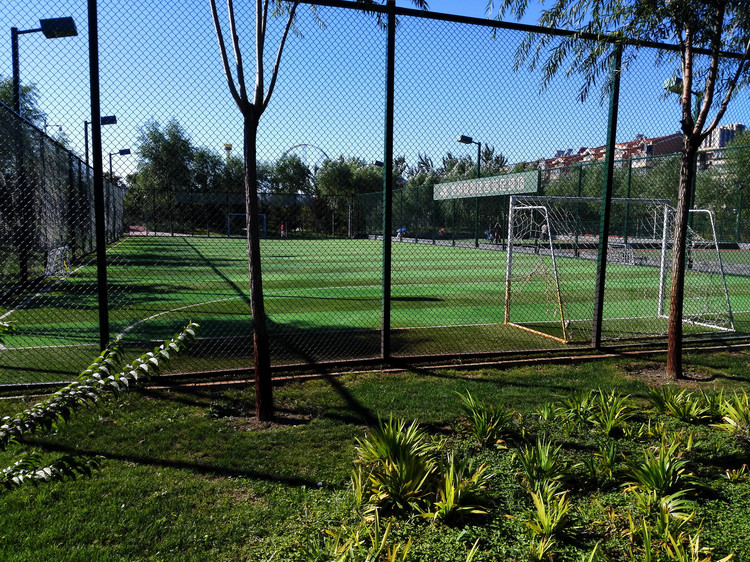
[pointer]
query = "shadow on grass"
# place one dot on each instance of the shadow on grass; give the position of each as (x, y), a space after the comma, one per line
(200, 468)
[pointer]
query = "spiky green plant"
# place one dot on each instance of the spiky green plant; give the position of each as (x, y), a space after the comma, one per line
(684, 405)
(486, 422)
(578, 407)
(460, 491)
(610, 411)
(735, 412)
(658, 475)
(400, 461)
(541, 464)
(551, 506)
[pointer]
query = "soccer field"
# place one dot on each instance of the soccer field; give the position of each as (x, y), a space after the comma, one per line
(323, 301)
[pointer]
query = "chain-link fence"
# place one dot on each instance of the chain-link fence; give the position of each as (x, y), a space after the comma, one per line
(469, 271)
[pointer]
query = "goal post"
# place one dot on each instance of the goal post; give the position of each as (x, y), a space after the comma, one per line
(551, 268)
(706, 296)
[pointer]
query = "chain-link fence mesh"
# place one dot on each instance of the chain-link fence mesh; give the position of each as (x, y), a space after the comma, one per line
(172, 146)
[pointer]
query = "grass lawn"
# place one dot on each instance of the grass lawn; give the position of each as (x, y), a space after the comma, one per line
(190, 475)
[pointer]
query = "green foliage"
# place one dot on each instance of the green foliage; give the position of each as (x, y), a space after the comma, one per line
(686, 406)
(400, 461)
(398, 470)
(102, 378)
(367, 541)
(551, 510)
(736, 415)
(487, 423)
(610, 411)
(660, 473)
(461, 489)
(30, 468)
(541, 464)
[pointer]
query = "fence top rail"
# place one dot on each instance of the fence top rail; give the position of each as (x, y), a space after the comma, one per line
(497, 24)
(590, 199)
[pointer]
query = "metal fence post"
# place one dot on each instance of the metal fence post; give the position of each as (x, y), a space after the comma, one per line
(606, 204)
(96, 142)
(385, 329)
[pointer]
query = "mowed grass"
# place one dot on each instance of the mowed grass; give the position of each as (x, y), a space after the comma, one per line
(189, 475)
(323, 299)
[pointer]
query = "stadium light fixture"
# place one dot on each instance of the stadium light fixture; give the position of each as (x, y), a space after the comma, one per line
(104, 120)
(463, 139)
(123, 152)
(53, 28)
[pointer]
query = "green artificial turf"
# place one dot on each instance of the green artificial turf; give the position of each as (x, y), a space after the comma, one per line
(323, 301)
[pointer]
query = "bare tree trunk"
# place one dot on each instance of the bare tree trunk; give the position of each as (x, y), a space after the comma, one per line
(261, 348)
(679, 252)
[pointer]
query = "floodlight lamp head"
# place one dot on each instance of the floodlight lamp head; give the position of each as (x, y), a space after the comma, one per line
(124, 152)
(54, 28)
(377, 163)
(108, 120)
(463, 139)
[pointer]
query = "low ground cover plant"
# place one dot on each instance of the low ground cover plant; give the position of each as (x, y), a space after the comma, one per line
(580, 464)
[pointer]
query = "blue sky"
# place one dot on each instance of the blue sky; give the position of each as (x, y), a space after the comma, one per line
(160, 61)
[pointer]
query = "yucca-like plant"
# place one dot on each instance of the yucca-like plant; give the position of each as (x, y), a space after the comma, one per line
(736, 474)
(735, 415)
(578, 407)
(401, 464)
(364, 542)
(487, 423)
(684, 405)
(601, 465)
(541, 464)
(609, 412)
(460, 492)
(551, 506)
(658, 475)
(548, 412)
(542, 548)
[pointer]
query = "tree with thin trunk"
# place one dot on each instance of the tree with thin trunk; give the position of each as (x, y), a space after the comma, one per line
(252, 104)
(710, 63)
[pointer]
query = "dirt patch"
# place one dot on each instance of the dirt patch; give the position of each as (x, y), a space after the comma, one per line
(281, 419)
(657, 376)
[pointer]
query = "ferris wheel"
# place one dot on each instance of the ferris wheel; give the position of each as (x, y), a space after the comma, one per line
(312, 156)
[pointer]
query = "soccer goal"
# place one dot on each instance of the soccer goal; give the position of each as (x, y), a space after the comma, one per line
(551, 268)
(236, 225)
(58, 262)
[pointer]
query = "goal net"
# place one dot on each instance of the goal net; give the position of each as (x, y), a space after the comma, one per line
(58, 262)
(553, 251)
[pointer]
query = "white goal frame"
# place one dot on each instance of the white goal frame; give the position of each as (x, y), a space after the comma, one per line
(620, 252)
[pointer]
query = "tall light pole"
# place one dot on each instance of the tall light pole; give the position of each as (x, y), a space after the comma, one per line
(23, 236)
(52, 29)
(105, 120)
(123, 152)
(463, 139)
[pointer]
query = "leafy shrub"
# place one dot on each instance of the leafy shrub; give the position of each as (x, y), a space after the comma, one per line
(541, 464)
(486, 422)
(735, 413)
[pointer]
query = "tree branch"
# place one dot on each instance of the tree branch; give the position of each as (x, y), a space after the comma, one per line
(224, 59)
(277, 63)
(237, 52)
(730, 89)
